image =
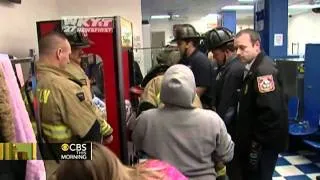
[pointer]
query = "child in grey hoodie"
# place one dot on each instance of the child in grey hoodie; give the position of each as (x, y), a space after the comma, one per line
(191, 139)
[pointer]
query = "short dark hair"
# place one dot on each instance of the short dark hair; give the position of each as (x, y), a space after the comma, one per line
(254, 35)
(50, 42)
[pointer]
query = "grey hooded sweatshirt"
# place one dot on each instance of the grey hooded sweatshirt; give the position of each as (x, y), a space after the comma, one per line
(191, 139)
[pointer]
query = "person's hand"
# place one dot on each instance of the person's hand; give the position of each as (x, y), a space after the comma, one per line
(214, 108)
(107, 140)
(220, 169)
(254, 156)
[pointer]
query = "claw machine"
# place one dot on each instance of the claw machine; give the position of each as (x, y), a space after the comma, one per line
(112, 42)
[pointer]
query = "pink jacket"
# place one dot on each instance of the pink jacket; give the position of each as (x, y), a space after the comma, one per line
(170, 172)
(35, 169)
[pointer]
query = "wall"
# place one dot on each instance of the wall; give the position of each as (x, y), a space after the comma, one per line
(163, 25)
(245, 23)
(18, 32)
(303, 28)
(200, 25)
(146, 33)
(130, 10)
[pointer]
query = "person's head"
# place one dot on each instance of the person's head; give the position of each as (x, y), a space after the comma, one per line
(78, 41)
(76, 54)
(223, 53)
(178, 87)
(54, 49)
(248, 45)
(169, 56)
(187, 45)
(187, 38)
(220, 43)
(104, 166)
(154, 72)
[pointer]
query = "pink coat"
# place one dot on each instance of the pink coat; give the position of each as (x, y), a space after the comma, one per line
(35, 169)
(170, 172)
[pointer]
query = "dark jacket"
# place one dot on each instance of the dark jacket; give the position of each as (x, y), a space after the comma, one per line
(12, 169)
(262, 108)
(137, 74)
(203, 70)
(97, 80)
(228, 85)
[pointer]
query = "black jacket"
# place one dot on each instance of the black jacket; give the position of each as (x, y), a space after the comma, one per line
(12, 169)
(97, 78)
(137, 74)
(204, 73)
(227, 90)
(263, 114)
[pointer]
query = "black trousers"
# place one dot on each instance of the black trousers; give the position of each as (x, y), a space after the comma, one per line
(233, 170)
(12, 170)
(238, 168)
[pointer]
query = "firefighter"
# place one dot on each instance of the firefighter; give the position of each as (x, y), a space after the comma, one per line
(262, 124)
(66, 116)
(188, 40)
(78, 42)
(228, 80)
(230, 73)
(150, 97)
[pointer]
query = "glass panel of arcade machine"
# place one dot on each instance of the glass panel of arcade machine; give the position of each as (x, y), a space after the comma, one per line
(92, 64)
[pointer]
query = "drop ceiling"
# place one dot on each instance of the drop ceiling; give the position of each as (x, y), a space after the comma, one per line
(195, 9)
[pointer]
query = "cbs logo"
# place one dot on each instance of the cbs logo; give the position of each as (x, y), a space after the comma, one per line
(74, 147)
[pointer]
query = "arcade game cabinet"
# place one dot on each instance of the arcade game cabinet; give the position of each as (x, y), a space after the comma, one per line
(112, 42)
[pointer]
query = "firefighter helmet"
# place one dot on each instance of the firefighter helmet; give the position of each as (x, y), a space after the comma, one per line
(217, 37)
(76, 38)
(184, 32)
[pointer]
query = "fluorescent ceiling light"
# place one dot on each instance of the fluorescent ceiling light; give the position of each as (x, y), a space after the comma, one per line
(210, 16)
(304, 6)
(160, 17)
(250, 7)
(164, 16)
(245, 1)
(238, 7)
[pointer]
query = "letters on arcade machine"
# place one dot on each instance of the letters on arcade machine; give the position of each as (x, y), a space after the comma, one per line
(112, 42)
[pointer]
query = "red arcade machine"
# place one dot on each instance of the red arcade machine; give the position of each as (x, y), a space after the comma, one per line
(112, 41)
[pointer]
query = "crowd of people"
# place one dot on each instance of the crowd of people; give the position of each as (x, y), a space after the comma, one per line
(225, 118)
(197, 118)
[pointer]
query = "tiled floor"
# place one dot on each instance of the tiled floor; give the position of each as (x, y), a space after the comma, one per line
(303, 165)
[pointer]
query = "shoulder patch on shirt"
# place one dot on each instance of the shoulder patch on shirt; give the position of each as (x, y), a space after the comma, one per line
(80, 96)
(265, 83)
